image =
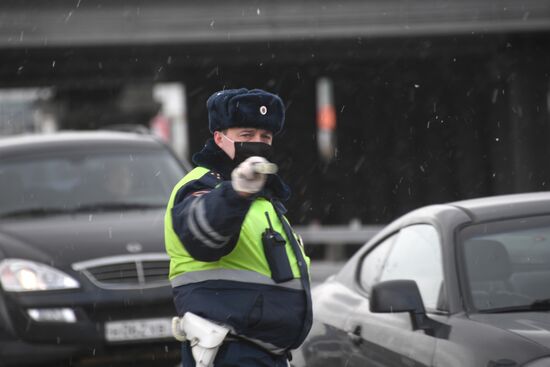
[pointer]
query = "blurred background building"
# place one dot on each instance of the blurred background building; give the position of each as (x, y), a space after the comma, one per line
(390, 104)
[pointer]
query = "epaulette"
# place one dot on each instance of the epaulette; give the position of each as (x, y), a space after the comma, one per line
(211, 179)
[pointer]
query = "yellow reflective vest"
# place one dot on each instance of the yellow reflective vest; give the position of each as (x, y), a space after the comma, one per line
(246, 262)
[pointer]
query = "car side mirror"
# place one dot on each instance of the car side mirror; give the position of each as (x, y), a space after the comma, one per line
(396, 296)
(400, 296)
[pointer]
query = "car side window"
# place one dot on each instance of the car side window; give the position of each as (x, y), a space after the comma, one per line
(373, 263)
(416, 255)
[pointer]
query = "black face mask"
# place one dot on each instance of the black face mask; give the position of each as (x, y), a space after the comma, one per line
(244, 150)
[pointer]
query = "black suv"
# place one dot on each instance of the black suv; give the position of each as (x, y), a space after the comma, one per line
(83, 271)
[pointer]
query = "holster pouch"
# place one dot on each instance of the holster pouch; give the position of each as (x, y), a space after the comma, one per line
(275, 253)
(204, 336)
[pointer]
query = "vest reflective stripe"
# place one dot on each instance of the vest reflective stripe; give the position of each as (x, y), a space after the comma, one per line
(232, 275)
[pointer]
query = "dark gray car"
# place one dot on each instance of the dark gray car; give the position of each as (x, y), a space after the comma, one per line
(83, 270)
(453, 285)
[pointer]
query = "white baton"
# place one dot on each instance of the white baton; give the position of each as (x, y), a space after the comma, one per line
(265, 168)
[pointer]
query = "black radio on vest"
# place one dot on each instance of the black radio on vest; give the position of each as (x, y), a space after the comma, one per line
(275, 253)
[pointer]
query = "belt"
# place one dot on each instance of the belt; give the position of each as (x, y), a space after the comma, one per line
(231, 338)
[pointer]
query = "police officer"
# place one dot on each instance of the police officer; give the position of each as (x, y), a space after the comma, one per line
(235, 260)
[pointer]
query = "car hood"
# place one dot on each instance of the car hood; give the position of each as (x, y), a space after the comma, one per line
(62, 240)
(534, 326)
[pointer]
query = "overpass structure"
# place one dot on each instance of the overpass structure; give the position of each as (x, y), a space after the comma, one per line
(70, 23)
(56, 40)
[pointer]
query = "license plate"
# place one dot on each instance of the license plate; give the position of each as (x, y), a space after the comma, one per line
(145, 329)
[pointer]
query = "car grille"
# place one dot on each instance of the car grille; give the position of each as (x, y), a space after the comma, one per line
(127, 271)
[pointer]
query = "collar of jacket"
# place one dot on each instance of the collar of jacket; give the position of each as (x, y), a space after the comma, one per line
(214, 158)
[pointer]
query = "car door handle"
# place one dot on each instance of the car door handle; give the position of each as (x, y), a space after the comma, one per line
(355, 335)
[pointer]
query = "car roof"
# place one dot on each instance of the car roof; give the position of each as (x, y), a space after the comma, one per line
(67, 139)
(476, 210)
(506, 206)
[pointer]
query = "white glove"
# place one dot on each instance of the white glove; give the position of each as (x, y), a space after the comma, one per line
(246, 179)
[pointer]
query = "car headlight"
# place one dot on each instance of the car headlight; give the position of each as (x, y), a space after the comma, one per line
(543, 362)
(17, 275)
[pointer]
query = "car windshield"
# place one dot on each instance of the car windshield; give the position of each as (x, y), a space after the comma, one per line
(81, 181)
(507, 264)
